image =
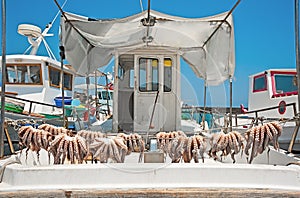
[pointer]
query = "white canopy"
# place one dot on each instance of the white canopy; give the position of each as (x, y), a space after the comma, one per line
(90, 44)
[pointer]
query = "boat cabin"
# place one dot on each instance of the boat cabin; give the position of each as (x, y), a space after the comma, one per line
(274, 87)
(147, 93)
(37, 78)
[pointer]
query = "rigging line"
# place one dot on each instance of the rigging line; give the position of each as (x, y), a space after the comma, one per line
(68, 21)
(224, 20)
(141, 4)
(49, 50)
(63, 5)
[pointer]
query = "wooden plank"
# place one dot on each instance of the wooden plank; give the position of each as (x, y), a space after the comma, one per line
(290, 149)
(11, 146)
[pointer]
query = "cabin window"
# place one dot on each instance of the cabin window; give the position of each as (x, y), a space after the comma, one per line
(167, 74)
(105, 95)
(131, 78)
(284, 83)
(24, 74)
(121, 72)
(54, 78)
(260, 83)
(148, 74)
(67, 81)
(100, 95)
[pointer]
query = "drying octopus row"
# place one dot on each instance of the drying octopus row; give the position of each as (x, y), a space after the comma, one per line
(178, 146)
(62, 144)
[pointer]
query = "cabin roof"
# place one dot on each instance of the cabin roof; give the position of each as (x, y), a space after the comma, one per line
(22, 58)
(270, 70)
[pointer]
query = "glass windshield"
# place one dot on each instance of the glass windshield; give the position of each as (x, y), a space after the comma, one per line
(285, 83)
(148, 74)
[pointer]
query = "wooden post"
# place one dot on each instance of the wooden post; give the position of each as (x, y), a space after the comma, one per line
(292, 142)
(10, 144)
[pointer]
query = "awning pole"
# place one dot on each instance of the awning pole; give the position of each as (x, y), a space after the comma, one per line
(230, 111)
(229, 13)
(3, 77)
(96, 95)
(88, 100)
(203, 115)
(62, 57)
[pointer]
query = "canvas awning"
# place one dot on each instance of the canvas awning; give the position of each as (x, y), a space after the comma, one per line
(90, 44)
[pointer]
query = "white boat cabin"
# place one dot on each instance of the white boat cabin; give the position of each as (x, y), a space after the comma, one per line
(37, 78)
(147, 90)
(274, 87)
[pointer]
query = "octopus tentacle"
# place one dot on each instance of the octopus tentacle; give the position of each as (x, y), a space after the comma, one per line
(250, 138)
(262, 138)
(255, 143)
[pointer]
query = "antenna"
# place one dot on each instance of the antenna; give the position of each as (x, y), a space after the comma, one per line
(36, 36)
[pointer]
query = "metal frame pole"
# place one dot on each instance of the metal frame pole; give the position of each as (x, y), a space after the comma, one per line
(3, 78)
(297, 48)
(230, 111)
(293, 139)
(203, 115)
(62, 57)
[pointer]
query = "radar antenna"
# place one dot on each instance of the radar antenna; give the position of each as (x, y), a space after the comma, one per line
(36, 36)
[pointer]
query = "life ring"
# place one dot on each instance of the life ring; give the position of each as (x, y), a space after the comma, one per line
(281, 107)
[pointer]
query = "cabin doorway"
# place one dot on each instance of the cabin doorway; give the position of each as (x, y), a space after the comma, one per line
(148, 93)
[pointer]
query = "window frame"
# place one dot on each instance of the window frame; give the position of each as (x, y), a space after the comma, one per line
(24, 65)
(147, 75)
(65, 73)
(265, 81)
(274, 93)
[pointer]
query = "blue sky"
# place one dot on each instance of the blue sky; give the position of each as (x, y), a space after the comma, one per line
(264, 34)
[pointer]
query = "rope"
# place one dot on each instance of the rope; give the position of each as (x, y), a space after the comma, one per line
(68, 21)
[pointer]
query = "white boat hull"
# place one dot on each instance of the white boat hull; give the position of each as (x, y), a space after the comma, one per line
(133, 176)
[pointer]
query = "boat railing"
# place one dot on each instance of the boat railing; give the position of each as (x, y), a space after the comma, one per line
(31, 102)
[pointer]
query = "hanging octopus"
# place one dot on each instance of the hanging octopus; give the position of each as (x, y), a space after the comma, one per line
(134, 142)
(195, 148)
(230, 143)
(164, 138)
(73, 148)
(259, 137)
(90, 136)
(109, 148)
(34, 139)
(55, 130)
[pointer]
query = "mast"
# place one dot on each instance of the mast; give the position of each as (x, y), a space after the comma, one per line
(3, 78)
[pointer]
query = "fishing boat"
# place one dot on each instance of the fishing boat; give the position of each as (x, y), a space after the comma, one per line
(33, 91)
(273, 95)
(148, 144)
(35, 80)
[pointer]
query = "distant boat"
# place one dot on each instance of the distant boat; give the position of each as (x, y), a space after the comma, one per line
(273, 95)
(33, 87)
